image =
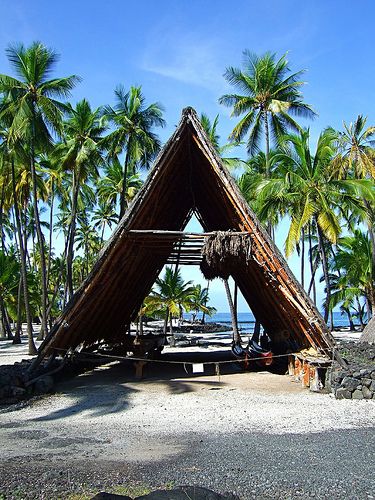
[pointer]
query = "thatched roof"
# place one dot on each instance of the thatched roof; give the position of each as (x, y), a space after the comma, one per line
(188, 177)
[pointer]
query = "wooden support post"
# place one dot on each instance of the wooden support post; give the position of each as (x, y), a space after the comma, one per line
(297, 369)
(305, 380)
(139, 365)
(291, 362)
(316, 382)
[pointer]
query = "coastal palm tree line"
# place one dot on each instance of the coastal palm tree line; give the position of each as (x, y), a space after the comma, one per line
(69, 172)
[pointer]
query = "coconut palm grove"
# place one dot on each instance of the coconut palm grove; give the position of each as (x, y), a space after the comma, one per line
(69, 172)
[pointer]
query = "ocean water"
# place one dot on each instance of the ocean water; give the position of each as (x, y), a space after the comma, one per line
(246, 320)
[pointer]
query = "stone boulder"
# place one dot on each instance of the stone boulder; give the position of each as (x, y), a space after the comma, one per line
(179, 493)
(187, 493)
(43, 385)
(110, 496)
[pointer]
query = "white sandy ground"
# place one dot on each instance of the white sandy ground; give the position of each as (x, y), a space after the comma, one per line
(106, 413)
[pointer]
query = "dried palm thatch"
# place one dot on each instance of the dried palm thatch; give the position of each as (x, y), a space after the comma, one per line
(223, 253)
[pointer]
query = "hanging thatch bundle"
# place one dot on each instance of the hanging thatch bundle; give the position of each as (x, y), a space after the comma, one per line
(222, 252)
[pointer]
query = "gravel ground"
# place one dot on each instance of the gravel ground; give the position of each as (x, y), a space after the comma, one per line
(259, 435)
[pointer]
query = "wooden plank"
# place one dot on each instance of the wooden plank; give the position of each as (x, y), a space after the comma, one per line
(291, 362)
(305, 378)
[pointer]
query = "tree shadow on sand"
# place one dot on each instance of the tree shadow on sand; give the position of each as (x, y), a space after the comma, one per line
(95, 393)
(108, 388)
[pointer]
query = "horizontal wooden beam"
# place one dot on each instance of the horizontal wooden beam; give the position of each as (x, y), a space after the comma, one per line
(177, 234)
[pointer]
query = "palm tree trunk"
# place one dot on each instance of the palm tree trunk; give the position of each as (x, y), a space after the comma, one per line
(267, 133)
(6, 320)
(2, 216)
(65, 296)
(32, 348)
(256, 334)
(303, 258)
(331, 319)
(236, 334)
(204, 314)
(125, 179)
(39, 229)
(350, 319)
(3, 335)
(30, 222)
(17, 333)
(372, 240)
(71, 237)
(58, 278)
(313, 268)
(50, 237)
(102, 236)
(17, 326)
(371, 300)
(368, 309)
(87, 260)
(166, 322)
(324, 260)
(43, 333)
(360, 314)
(140, 324)
(5, 329)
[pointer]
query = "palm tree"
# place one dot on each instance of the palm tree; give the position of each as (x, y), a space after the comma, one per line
(253, 176)
(9, 271)
(133, 135)
(10, 153)
(356, 154)
(309, 191)
(211, 130)
(4, 188)
(88, 241)
(198, 301)
(356, 159)
(170, 296)
(33, 111)
(109, 187)
(269, 96)
(343, 296)
(353, 262)
(103, 217)
(81, 154)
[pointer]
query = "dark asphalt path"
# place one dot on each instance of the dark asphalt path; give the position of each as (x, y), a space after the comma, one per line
(329, 465)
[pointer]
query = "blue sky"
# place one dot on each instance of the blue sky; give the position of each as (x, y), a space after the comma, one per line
(178, 50)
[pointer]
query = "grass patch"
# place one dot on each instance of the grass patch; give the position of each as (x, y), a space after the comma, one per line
(81, 496)
(130, 490)
(16, 494)
(133, 490)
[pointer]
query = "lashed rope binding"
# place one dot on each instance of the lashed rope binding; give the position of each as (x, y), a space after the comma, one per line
(222, 252)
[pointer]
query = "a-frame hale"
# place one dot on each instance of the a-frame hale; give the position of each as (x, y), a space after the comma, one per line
(188, 177)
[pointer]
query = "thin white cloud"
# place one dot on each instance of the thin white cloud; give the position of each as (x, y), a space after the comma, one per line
(188, 59)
